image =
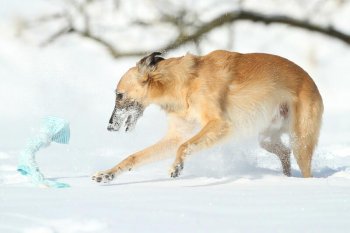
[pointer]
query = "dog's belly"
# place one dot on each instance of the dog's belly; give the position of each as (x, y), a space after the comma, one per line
(250, 118)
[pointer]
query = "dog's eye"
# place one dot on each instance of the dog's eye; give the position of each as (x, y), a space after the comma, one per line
(119, 96)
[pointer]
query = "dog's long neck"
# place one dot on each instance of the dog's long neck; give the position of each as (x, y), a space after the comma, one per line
(172, 98)
(172, 86)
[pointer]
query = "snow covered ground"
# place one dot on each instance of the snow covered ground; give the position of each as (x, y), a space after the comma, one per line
(232, 188)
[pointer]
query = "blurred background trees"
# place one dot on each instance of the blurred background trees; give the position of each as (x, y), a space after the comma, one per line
(136, 27)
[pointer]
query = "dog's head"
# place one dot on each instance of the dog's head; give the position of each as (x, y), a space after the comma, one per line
(132, 93)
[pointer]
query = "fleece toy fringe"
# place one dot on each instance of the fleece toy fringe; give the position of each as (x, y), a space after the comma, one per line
(53, 129)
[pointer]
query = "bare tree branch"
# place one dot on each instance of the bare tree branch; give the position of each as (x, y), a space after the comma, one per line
(256, 17)
(247, 16)
(64, 30)
(195, 34)
(329, 31)
(110, 48)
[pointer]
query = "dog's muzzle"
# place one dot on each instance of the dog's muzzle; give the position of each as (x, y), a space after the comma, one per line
(126, 115)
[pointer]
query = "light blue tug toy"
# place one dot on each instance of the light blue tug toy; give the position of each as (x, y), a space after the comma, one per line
(53, 129)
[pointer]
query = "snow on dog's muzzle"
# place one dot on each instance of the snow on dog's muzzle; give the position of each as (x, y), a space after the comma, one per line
(125, 114)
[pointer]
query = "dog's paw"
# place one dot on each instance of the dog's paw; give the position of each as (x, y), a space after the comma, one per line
(176, 169)
(103, 177)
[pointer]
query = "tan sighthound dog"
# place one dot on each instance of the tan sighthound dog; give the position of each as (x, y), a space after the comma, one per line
(221, 94)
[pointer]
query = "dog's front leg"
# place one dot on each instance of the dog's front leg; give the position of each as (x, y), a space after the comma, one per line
(212, 132)
(161, 150)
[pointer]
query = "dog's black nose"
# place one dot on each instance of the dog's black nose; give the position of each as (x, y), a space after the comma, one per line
(112, 127)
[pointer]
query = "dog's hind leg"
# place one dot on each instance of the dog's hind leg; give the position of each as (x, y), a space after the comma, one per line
(212, 133)
(270, 138)
(273, 144)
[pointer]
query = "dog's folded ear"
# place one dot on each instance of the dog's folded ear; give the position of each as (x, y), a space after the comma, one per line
(149, 63)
